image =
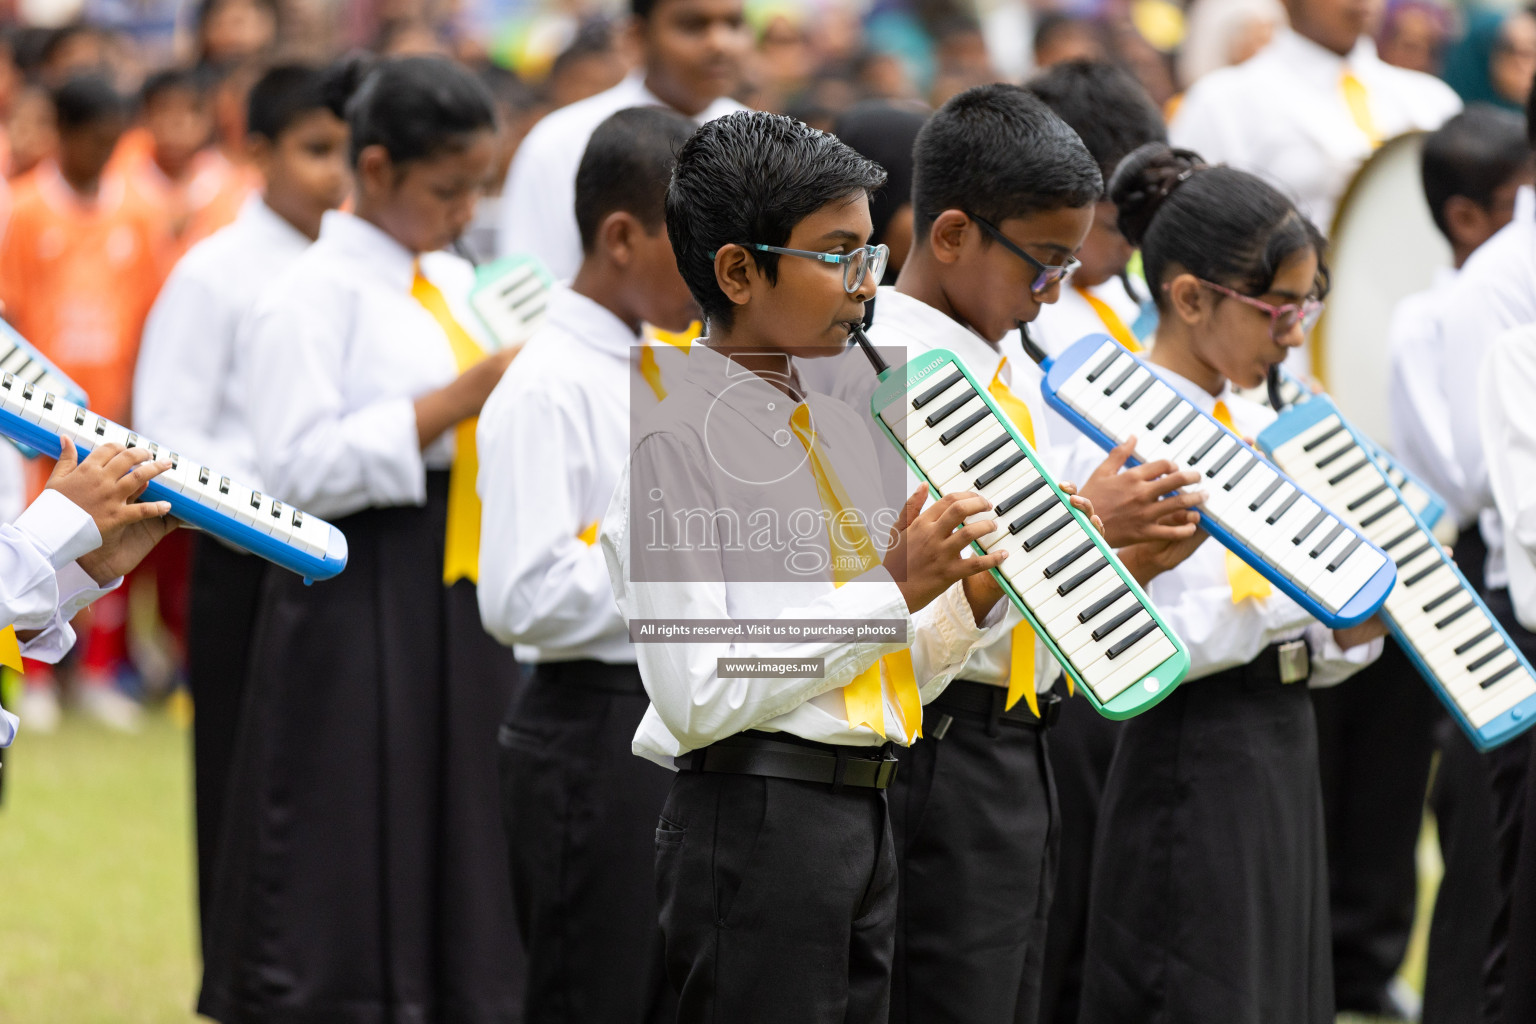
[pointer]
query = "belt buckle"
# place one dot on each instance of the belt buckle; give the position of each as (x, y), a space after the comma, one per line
(1295, 661)
(886, 773)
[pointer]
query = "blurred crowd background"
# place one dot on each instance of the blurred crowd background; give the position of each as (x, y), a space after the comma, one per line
(181, 70)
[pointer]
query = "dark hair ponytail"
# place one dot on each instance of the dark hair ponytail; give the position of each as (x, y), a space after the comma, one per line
(1220, 224)
(415, 107)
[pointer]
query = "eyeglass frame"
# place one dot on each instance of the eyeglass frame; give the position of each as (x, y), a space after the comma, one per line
(878, 255)
(1307, 311)
(1048, 273)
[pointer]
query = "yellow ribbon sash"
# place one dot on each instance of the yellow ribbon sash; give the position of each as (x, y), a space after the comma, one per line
(1359, 104)
(1244, 579)
(10, 649)
(1111, 320)
(853, 554)
(1021, 657)
(461, 548)
(649, 369)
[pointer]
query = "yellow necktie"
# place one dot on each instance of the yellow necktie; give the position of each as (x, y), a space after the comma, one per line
(649, 369)
(10, 649)
(461, 546)
(1358, 101)
(1021, 659)
(853, 554)
(1244, 579)
(1111, 320)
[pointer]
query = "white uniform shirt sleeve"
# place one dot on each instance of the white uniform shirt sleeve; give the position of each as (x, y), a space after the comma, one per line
(1509, 431)
(539, 583)
(696, 705)
(40, 586)
(184, 360)
(1421, 419)
(315, 452)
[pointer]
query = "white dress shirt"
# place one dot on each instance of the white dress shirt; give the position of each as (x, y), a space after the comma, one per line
(334, 356)
(905, 323)
(187, 394)
(1416, 398)
(1508, 424)
(1282, 115)
(41, 587)
(1195, 597)
(720, 441)
(553, 439)
(538, 204)
(1495, 291)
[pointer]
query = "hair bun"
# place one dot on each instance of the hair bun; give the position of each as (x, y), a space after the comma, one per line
(1144, 181)
(342, 79)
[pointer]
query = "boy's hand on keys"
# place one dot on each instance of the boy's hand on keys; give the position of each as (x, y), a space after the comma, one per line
(1131, 501)
(927, 551)
(105, 486)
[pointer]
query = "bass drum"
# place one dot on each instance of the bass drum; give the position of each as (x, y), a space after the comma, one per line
(1384, 247)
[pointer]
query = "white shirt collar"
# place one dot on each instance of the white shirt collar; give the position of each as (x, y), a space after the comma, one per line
(744, 392)
(590, 321)
(380, 255)
(898, 311)
(1306, 57)
(259, 215)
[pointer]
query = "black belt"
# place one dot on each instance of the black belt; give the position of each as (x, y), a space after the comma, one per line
(590, 674)
(781, 756)
(1277, 665)
(966, 697)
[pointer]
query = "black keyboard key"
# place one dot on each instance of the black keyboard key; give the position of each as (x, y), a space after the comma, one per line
(1098, 371)
(1306, 531)
(1375, 517)
(959, 429)
(1419, 576)
(999, 469)
(1222, 462)
(1011, 502)
(944, 411)
(1237, 477)
(1067, 559)
(1342, 556)
(1285, 506)
(1366, 498)
(937, 390)
(1132, 640)
(1173, 403)
(1458, 613)
(1437, 602)
(1332, 457)
(1415, 553)
(1021, 523)
(1500, 674)
(1078, 579)
(1205, 449)
(1322, 546)
(1049, 532)
(1141, 389)
(1265, 494)
(1485, 659)
(1343, 475)
(1096, 609)
(1116, 622)
(1194, 414)
(1484, 635)
(981, 455)
(1115, 384)
(1322, 439)
(1412, 531)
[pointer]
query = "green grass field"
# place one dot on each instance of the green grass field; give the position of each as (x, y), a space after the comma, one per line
(96, 890)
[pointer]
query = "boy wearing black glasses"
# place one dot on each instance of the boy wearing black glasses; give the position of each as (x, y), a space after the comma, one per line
(1003, 197)
(740, 535)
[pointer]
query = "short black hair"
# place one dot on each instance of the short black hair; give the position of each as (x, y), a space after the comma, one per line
(998, 151)
(86, 100)
(1221, 224)
(1107, 107)
(884, 131)
(415, 107)
(626, 167)
(751, 177)
(286, 93)
(1471, 155)
(170, 80)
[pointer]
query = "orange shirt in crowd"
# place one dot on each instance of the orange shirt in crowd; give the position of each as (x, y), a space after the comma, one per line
(189, 210)
(78, 277)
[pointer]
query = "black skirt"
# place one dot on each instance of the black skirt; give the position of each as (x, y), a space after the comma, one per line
(362, 877)
(1209, 899)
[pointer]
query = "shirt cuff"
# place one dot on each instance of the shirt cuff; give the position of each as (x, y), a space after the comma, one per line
(8, 724)
(60, 530)
(77, 589)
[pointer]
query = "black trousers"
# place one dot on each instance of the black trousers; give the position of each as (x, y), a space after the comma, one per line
(225, 594)
(1375, 737)
(1468, 899)
(1082, 746)
(973, 813)
(778, 900)
(580, 814)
